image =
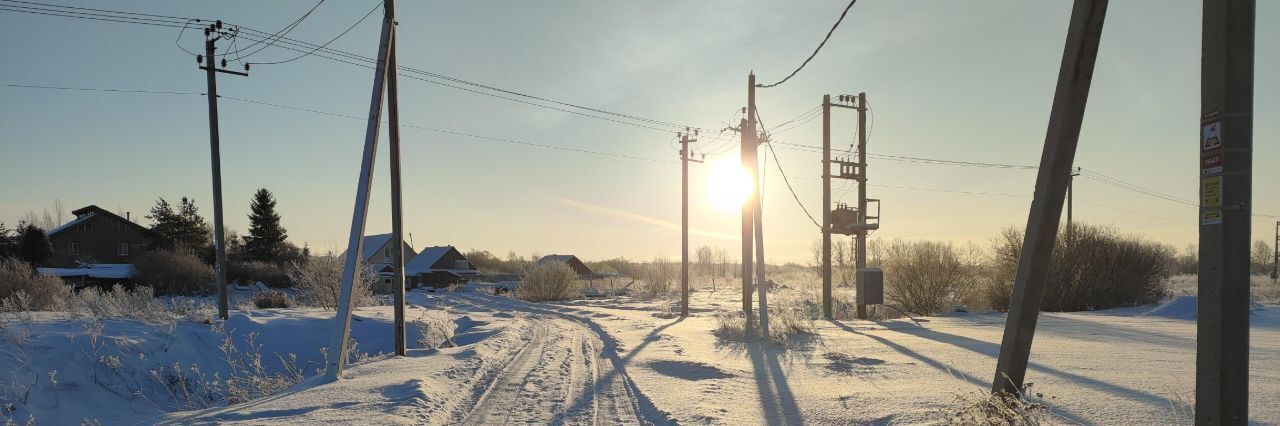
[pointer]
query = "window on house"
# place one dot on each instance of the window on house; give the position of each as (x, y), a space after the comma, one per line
(73, 248)
(386, 252)
(122, 249)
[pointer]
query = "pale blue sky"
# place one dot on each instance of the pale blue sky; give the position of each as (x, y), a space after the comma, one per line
(969, 81)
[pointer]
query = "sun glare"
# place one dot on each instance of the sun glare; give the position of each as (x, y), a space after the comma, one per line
(728, 185)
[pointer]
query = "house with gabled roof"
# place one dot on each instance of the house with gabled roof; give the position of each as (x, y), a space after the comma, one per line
(96, 236)
(439, 267)
(571, 260)
(377, 252)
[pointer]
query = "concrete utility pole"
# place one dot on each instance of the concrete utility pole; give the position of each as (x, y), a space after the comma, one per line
(337, 355)
(1071, 183)
(826, 206)
(861, 261)
(1074, 77)
(762, 284)
(748, 131)
(685, 140)
(397, 222)
(1226, 167)
(845, 221)
(1275, 263)
(212, 34)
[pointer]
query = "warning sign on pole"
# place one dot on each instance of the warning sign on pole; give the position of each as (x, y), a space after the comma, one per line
(1211, 136)
(1211, 192)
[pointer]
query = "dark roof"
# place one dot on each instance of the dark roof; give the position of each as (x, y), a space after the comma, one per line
(426, 260)
(573, 261)
(89, 211)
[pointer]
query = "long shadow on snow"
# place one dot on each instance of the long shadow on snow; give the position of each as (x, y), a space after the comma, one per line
(777, 401)
(991, 350)
(1075, 418)
(610, 350)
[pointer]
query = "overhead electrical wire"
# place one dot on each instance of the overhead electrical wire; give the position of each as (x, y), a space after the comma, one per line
(327, 43)
(287, 43)
(815, 51)
(270, 41)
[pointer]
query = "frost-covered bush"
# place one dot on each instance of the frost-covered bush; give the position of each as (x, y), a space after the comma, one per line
(1092, 267)
(548, 281)
(272, 299)
(924, 277)
(174, 272)
(435, 330)
(40, 292)
(319, 282)
(138, 303)
(787, 319)
(659, 277)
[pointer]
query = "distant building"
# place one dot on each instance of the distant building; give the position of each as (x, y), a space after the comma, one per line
(439, 267)
(96, 236)
(571, 260)
(376, 251)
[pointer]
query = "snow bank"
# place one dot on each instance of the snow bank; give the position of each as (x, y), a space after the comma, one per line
(1182, 307)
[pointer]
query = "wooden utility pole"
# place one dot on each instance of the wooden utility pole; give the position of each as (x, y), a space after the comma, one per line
(397, 222)
(748, 131)
(861, 235)
(1225, 172)
(212, 34)
(337, 355)
(826, 206)
(1275, 263)
(685, 140)
(1074, 77)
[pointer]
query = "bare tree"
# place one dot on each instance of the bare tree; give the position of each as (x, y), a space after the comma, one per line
(1261, 257)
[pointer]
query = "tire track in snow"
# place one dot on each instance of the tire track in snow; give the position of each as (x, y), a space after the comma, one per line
(611, 397)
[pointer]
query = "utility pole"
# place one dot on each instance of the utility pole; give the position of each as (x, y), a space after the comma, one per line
(397, 222)
(826, 206)
(844, 220)
(1071, 182)
(685, 140)
(1275, 263)
(1084, 32)
(212, 34)
(747, 128)
(762, 284)
(337, 357)
(861, 261)
(1226, 159)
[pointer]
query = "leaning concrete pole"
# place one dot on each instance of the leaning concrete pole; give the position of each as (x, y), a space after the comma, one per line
(1226, 187)
(1078, 57)
(337, 358)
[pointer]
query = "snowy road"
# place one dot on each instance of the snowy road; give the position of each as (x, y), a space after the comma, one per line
(561, 375)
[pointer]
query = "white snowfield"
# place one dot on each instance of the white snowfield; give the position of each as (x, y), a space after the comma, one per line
(621, 361)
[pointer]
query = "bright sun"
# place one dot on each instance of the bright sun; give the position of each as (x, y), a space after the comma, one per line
(728, 184)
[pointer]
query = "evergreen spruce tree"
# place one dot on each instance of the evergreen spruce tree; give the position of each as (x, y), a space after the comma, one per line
(194, 232)
(181, 228)
(8, 242)
(266, 239)
(33, 244)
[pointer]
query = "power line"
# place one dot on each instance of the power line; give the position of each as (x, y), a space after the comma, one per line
(778, 164)
(815, 51)
(287, 43)
(275, 36)
(327, 43)
(89, 89)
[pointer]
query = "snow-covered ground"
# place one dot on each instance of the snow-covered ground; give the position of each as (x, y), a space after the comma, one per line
(622, 361)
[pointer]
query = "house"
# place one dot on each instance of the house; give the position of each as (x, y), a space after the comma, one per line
(376, 251)
(439, 267)
(571, 260)
(96, 236)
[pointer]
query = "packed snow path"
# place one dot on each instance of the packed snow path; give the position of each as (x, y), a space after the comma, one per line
(559, 376)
